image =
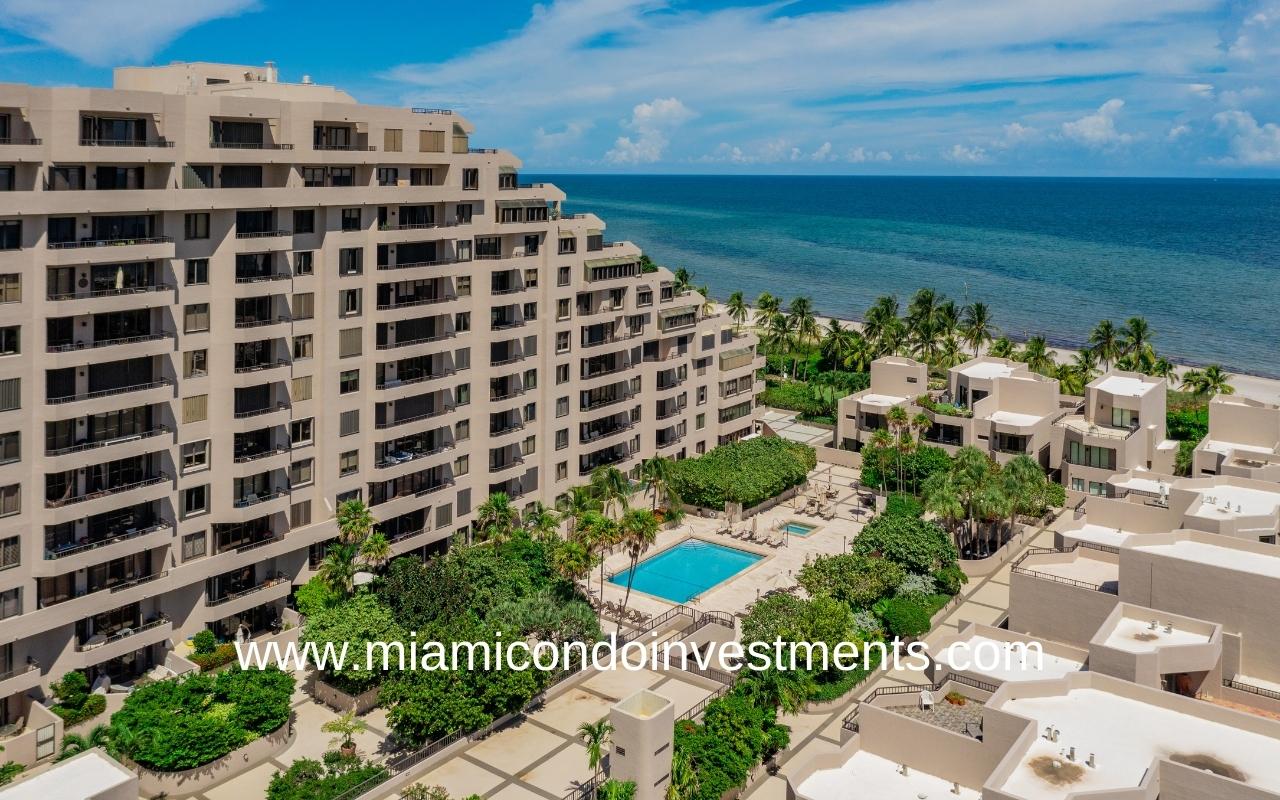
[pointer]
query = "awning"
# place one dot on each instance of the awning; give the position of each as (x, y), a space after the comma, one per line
(611, 261)
(521, 203)
(507, 170)
(458, 130)
(594, 232)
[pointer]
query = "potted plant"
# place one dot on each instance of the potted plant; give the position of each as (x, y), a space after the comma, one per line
(345, 727)
(956, 699)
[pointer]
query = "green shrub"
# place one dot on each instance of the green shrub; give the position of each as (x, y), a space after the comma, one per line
(222, 655)
(904, 616)
(880, 466)
(854, 579)
(75, 702)
(93, 705)
(747, 472)
(314, 596)
(308, 779)
(183, 723)
(360, 620)
(616, 790)
(904, 505)
(204, 643)
(9, 771)
(1055, 495)
(950, 579)
(915, 544)
(736, 735)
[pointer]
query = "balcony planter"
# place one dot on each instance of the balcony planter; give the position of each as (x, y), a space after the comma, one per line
(187, 783)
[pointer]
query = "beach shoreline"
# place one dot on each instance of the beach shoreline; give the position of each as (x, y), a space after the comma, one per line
(1254, 387)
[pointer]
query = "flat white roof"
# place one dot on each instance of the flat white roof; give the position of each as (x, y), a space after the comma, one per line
(1227, 502)
(1124, 385)
(85, 776)
(1223, 448)
(1098, 534)
(1135, 484)
(1014, 418)
(1093, 571)
(1215, 556)
(1126, 735)
(987, 369)
(1015, 662)
(1134, 635)
(866, 776)
(887, 400)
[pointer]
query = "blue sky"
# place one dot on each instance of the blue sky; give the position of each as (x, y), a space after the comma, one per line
(999, 87)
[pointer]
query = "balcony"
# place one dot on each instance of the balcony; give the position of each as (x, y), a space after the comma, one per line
(220, 145)
(256, 322)
(17, 141)
(418, 301)
(415, 418)
(118, 242)
(503, 466)
(439, 337)
(259, 366)
(98, 141)
(262, 234)
(107, 492)
(426, 376)
(397, 457)
(128, 290)
(80, 447)
(69, 347)
(99, 640)
(266, 583)
(613, 455)
(258, 412)
(509, 359)
(78, 548)
(141, 387)
(410, 264)
(257, 498)
(247, 456)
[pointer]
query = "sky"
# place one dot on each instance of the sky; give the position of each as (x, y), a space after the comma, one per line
(937, 87)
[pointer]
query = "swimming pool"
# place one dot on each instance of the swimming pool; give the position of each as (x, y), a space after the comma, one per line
(687, 570)
(799, 528)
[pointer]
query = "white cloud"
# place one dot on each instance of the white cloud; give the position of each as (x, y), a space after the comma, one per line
(1177, 132)
(859, 155)
(570, 134)
(651, 123)
(111, 32)
(823, 153)
(1015, 133)
(1250, 144)
(1098, 130)
(1233, 98)
(1256, 35)
(1200, 89)
(966, 154)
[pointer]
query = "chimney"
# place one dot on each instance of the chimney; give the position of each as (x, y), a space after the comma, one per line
(272, 75)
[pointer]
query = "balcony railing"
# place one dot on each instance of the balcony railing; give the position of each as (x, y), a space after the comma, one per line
(425, 301)
(76, 549)
(123, 633)
(257, 412)
(420, 379)
(117, 242)
(404, 457)
(347, 147)
(279, 362)
(259, 323)
(261, 497)
(100, 142)
(439, 337)
(72, 346)
(393, 423)
(120, 587)
(267, 582)
(124, 487)
(82, 446)
(268, 276)
(267, 453)
(141, 387)
(502, 362)
(503, 467)
(262, 234)
(155, 287)
(436, 263)
(12, 140)
(216, 145)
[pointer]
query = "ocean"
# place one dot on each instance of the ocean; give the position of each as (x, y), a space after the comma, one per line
(1200, 259)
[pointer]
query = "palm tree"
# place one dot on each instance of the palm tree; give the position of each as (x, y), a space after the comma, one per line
(919, 424)
(656, 475)
(684, 779)
(882, 440)
(1023, 482)
(970, 468)
(737, 308)
(578, 502)
(611, 486)
(639, 532)
(708, 305)
(859, 353)
(1136, 337)
(780, 334)
(338, 569)
(355, 521)
(949, 353)
(942, 499)
(788, 689)
(99, 736)
(541, 522)
(836, 342)
(1210, 380)
(975, 326)
(899, 423)
(572, 561)
(497, 518)
(922, 307)
(1002, 348)
(375, 550)
(683, 280)
(600, 533)
(803, 321)
(1162, 368)
(1104, 340)
(596, 735)
(1037, 355)
(767, 307)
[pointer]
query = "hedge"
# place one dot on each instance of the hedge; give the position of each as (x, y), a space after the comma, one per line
(93, 705)
(222, 654)
(747, 472)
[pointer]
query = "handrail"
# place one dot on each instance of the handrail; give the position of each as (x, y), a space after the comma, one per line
(53, 555)
(1232, 683)
(439, 337)
(124, 634)
(425, 301)
(117, 242)
(11, 140)
(133, 437)
(262, 234)
(850, 721)
(267, 582)
(420, 379)
(436, 263)
(279, 362)
(69, 348)
(216, 145)
(155, 287)
(71, 398)
(99, 142)
(124, 487)
(255, 499)
(257, 412)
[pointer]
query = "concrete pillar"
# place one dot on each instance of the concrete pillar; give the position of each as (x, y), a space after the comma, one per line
(643, 729)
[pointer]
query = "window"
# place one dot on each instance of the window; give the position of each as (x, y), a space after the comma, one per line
(431, 141)
(304, 305)
(349, 381)
(11, 606)
(348, 463)
(462, 431)
(1077, 484)
(11, 340)
(461, 359)
(529, 311)
(193, 546)
(304, 220)
(562, 438)
(301, 431)
(195, 318)
(303, 347)
(10, 234)
(562, 471)
(562, 341)
(304, 263)
(302, 473)
(11, 288)
(700, 422)
(349, 302)
(563, 308)
(349, 423)
(530, 379)
(351, 261)
(530, 412)
(462, 285)
(350, 342)
(462, 322)
(10, 447)
(420, 176)
(300, 514)
(568, 245)
(1124, 418)
(10, 394)
(1097, 489)
(531, 277)
(701, 395)
(342, 497)
(562, 406)
(195, 408)
(300, 388)
(393, 140)
(196, 226)
(461, 466)
(197, 271)
(529, 445)
(470, 178)
(11, 500)
(195, 500)
(388, 176)
(351, 219)
(563, 276)
(195, 456)
(562, 374)
(462, 215)
(462, 395)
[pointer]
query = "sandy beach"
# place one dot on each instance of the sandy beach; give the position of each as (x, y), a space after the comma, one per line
(1254, 387)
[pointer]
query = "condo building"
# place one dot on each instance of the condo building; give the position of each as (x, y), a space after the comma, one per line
(1243, 440)
(229, 303)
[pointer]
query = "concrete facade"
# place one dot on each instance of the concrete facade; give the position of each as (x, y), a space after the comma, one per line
(228, 303)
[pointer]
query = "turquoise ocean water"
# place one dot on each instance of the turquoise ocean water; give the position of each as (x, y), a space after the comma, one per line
(1200, 259)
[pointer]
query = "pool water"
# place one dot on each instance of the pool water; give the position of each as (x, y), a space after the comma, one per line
(799, 528)
(686, 570)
